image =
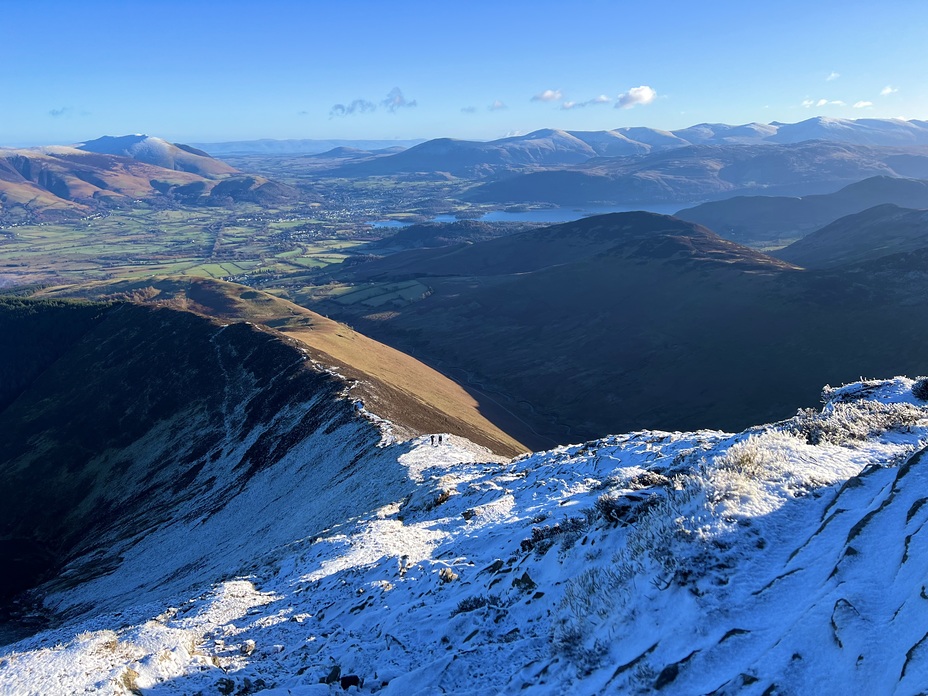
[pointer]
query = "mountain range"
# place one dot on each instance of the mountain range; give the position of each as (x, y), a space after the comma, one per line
(269, 146)
(210, 489)
(707, 172)
(549, 147)
(61, 182)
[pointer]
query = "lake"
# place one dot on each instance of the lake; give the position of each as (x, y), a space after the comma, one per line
(545, 215)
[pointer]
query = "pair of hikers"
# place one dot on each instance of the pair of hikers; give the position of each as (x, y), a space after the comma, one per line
(439, 439)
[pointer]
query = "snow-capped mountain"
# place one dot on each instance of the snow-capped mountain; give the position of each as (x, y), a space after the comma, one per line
(160, 153)
(552, 149)
(790, 558)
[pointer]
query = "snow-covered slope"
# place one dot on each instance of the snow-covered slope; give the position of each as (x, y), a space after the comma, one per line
(790, 558)
(161, 153)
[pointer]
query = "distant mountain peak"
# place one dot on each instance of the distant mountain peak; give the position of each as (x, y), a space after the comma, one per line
(111, 144)
(160, 152)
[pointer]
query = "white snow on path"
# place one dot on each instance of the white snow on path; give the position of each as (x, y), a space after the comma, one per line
(791, 558)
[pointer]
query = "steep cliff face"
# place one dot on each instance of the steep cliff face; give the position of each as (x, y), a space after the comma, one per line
(144, 418)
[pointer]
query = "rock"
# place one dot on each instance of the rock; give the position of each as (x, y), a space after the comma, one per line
(447, 575)
(648, 479)
(493, 568)
(248, 647)
(351, 680)
(334, 675)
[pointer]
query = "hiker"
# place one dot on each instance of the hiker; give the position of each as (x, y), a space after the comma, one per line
(439, 439)
(433, 440)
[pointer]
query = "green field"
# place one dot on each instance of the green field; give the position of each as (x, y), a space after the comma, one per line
(286, 249)
(201, 242)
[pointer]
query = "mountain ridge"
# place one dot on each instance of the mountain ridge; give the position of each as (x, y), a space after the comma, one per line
(707, 172)
(555, 147)
(59, 182)
(161, 153)
(877, 232)
(679, 562)
(759, 218)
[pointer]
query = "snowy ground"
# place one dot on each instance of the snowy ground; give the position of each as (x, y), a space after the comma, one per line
(791, 558)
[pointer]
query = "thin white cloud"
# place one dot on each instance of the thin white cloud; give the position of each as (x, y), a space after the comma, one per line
(636, 95)
(832, 76)
(601, 99)
(497, 106)
(887, 90)
(549, 95)
(468, 109)
(862, 104)
(809, 103)
(63, 111)
(395, 100)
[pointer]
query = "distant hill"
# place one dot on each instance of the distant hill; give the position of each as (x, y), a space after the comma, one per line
(629, 235)
(341, 153)
(269, 146)
(465, 158)
(160, 153)
(441, 234)
(636, 320)
(881, 231)
(749, 219)
(49, 183)
(863, 131)
(701, 172)
(722, 133)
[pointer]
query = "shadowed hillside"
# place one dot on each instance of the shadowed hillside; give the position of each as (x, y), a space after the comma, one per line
(414, 397)
(35, 334)
(636, 320)
(883, 230)
(747, 219)
(140, 410)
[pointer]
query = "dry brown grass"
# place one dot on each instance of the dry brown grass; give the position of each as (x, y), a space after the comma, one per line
(392, 384)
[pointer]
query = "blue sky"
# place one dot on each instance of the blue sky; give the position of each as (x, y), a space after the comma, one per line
(209, 71)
